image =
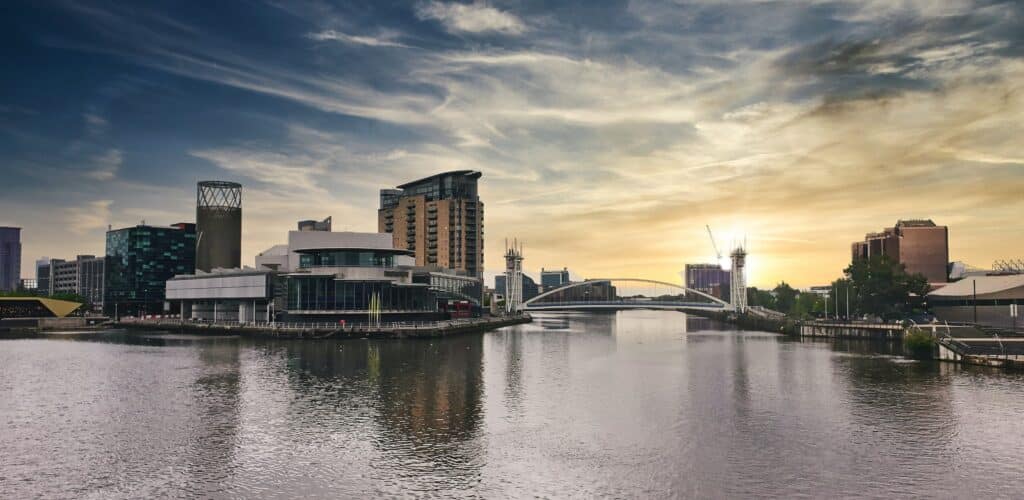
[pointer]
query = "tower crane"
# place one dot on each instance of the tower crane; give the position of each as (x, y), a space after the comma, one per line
(713, 244)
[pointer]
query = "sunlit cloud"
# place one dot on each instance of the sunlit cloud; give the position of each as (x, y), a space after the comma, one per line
(471, 18)
(608, 134)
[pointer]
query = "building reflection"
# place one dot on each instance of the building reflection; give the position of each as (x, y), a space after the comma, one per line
(216, 408)
(424, 396)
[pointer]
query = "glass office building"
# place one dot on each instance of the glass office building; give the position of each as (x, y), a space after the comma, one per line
(10, 258)
(140, 260)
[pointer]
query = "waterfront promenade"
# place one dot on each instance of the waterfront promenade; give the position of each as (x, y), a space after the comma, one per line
(407, 329)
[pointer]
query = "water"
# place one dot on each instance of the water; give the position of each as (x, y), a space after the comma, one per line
(630, 404)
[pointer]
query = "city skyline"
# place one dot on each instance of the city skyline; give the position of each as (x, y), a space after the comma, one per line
(606, 140)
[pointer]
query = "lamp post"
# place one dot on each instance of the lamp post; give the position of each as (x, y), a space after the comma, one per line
(974, 296)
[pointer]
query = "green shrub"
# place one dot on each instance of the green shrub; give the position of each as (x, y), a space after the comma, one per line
(919, 344)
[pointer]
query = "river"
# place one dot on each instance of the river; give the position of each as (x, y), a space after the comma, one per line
(631, 404)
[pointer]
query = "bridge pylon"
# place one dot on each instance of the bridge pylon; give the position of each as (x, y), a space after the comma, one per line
(738, 280)
(513, 278)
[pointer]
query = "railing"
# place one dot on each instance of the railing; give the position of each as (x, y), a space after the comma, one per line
(327, 326)
(638, 303)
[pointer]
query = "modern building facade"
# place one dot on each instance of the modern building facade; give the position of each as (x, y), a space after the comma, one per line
(315, 225)
(333, 276)
(708, 278)
(43, 275)
(10, 258)
(218, 225)
(242, 295)
(439, 219)
(530, 288)
(140, 260)
(553, 278)
(985, 300)
(920, 245)
(83, 276)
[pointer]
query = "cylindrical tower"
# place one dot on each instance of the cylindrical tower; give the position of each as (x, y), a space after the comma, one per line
(218, 225)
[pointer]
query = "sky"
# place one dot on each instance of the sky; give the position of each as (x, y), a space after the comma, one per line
(609, 133)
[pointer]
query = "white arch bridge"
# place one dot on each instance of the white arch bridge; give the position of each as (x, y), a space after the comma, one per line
(624, 293)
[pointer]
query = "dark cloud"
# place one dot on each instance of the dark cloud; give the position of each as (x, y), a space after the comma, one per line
(903, 51)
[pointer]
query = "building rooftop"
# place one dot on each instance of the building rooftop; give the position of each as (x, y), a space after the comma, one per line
(468, 173)
(915, 223)
(985, 285)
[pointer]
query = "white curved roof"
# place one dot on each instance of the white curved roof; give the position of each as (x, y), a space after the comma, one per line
(986, 285)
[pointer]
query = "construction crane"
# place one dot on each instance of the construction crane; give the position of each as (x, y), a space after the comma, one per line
(713, 244)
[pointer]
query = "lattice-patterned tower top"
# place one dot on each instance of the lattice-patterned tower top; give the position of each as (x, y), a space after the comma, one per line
(218, 225)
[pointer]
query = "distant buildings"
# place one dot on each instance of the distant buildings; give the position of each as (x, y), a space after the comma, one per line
(83, 276)
(314, 225)
(218, 225)
(10, 258)
(920, 245)
(530, 288)
(140, 260)
(43, 275)
(551, 279)
(985, 300)
(820, 290)
(708, 278)
(440, 219)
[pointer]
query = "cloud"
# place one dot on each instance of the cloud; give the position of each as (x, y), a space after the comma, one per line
(354, 39)
(106, 165)
(471, 18)
(90, 217)
(652, 118)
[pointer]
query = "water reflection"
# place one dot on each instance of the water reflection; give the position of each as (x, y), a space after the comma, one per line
(626, 404)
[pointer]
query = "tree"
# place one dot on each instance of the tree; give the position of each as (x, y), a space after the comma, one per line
(785, 297)
(808, 304)
(882, 287)
(762, 298)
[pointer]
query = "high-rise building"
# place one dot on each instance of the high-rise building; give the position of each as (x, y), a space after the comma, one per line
(439, 218)
(218, 225)
(920, 245)
(43, 275)
(708, 278)
(551, 279)
(10, 258)
(140, 260)
(82, 276)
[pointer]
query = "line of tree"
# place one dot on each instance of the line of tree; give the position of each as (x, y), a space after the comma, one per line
(878, 287)
(786, 299)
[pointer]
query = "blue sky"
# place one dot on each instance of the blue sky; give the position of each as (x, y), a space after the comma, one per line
(608, 132)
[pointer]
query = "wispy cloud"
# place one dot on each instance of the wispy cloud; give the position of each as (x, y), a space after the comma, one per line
(471, 18)
(369, 41)
(106, 165)
(650, 117)
(92, 216)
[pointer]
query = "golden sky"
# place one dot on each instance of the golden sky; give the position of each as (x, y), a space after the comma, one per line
(608, 133)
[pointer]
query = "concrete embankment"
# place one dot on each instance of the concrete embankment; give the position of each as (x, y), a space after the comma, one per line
(884, 331)
(325, 330)
(750, 322)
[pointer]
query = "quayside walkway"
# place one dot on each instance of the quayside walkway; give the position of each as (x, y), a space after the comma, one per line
(406, 329)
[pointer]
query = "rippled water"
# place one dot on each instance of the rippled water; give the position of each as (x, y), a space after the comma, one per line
(631, 404)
